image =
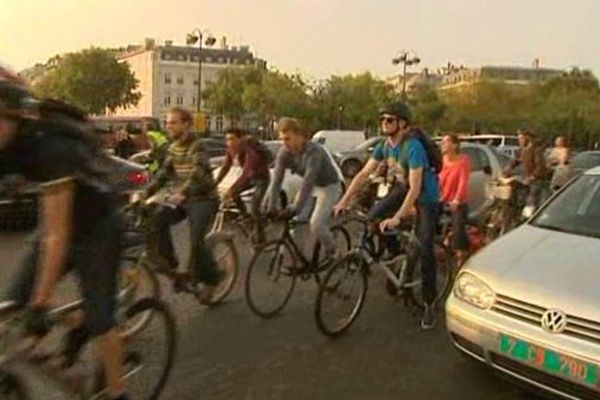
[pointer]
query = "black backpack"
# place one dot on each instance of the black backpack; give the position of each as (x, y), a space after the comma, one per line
(434, 154)
(262, 150)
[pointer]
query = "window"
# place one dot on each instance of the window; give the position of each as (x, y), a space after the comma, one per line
(478, 158)
(219, 127)
(196, 82)
(167, 101)
(180, 79)
(167, 78)
(179, 100)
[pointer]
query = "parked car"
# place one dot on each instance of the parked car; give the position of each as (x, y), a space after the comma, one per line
(352, 161)
(338, 141)
(585, 160)
(527, 304)
(18, 200)
(505, 144)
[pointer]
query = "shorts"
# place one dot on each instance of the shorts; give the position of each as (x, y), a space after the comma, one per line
(95, 258)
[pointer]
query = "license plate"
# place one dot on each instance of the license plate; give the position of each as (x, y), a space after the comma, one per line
(550, 361)
(382, 190)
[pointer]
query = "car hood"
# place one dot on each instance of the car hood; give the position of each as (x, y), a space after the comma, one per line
(543, 267)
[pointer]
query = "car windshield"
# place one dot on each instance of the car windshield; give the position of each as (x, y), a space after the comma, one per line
(586, 160)
(576, 210)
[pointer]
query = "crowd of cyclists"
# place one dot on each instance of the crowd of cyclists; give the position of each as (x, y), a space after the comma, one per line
(80, 221)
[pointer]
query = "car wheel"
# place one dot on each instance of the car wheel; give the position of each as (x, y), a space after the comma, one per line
(350, 168)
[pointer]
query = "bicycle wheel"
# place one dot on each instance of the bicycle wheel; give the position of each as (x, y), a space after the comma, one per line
(341, 295)
(343, 244)
(11, 388)
(226, 257)
(444, 267)
(271, 278)
(138, 281)
(149, 354)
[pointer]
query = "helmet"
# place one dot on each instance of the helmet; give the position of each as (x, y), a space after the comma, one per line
(398, 109)
(15, 97)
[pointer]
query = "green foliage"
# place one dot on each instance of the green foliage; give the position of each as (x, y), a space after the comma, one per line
(91, 79)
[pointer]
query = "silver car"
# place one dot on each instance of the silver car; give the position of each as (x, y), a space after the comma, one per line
(528, 304)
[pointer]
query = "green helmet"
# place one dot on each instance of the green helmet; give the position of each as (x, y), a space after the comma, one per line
(398, 109)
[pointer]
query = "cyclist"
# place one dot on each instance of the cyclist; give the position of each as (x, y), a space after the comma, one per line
(531, 157)
(79, 217)
(321, 180)
(187, 178)
(416, 189)
(254, 159)
(159, 144)
(454, 182)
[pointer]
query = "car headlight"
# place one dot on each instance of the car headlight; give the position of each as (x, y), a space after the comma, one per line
(472, 290)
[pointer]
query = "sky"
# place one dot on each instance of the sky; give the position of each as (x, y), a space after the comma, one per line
(319, 37)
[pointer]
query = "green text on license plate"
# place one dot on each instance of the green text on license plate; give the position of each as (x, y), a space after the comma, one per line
(549, 361)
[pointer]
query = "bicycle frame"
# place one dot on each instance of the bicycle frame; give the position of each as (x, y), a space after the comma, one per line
(287, 237)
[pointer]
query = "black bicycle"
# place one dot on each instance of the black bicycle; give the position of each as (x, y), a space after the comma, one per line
(277, 264)
(344, 288)
(74, 369)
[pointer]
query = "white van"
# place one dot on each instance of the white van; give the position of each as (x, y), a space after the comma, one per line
(506, 144)
(339, 141)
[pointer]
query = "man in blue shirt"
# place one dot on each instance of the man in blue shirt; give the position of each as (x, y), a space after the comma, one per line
(416, 189)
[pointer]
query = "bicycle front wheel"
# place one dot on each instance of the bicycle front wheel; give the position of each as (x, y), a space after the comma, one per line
(149, 354)
(226, 257)
(137, 282)
(341, 295)
(271, 278)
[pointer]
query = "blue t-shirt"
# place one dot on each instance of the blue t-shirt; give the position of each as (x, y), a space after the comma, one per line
(411, 154)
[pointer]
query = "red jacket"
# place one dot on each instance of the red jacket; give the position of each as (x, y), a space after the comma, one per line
(254, 166)
(454, 180)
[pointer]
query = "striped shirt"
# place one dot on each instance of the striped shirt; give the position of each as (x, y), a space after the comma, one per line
(186, 169)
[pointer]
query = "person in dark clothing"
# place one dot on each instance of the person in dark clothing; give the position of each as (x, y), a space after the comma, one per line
(245, 152)
(187, 178)
(125, 147)
(79, 215)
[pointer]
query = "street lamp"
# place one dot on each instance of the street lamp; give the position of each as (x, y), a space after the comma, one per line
(340, 110)
(196, 36)
(406, 59)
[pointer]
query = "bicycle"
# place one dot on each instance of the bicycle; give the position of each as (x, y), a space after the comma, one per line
(508, 196)
(140, 216)
(350, 275)
(73, 370)
(278, 263)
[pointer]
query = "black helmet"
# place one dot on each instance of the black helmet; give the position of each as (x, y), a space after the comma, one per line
(398, 109)
(15, 97)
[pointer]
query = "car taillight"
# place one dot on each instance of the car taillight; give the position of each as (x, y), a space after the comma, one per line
(138, 178)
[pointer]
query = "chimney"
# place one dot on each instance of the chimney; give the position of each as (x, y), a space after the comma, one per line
(168, 43)
(224, 45)
(149, 43)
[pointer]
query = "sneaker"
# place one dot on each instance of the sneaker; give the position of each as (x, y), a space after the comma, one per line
(428, 321)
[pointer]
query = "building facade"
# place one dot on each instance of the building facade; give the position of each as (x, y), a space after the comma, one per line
(168, 77)
(463, 77)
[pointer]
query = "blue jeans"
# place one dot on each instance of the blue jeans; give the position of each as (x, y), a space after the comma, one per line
(386, 208)
(427, 222)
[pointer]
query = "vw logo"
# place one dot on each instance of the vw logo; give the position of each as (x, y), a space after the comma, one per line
(554, 321)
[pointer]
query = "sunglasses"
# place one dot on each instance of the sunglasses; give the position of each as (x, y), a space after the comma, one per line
(388, 120)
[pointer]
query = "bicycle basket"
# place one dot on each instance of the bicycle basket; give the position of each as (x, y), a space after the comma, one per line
(499, 191)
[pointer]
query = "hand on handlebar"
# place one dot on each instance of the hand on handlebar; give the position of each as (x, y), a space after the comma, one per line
(339, 208)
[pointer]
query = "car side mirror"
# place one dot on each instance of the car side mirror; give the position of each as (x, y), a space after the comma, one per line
(487, 170)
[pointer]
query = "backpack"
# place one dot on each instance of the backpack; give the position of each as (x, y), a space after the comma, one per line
(434, 153)
(262, 150)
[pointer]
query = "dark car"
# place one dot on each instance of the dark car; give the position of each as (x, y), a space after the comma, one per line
(353, 160)
(585, 160)
(18, 199)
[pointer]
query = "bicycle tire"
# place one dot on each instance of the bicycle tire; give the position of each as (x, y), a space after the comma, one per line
(443, 276)
(11, 387)
(251, 289)
(151, 388)
(354, 264)
(231, 271)
(155, 292)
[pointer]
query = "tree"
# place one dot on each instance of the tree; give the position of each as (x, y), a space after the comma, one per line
(351, 100)
(224, 96)
(428, 108)
(91, 79)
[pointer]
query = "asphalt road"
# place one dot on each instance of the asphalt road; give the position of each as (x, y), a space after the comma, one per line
(228, 353)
